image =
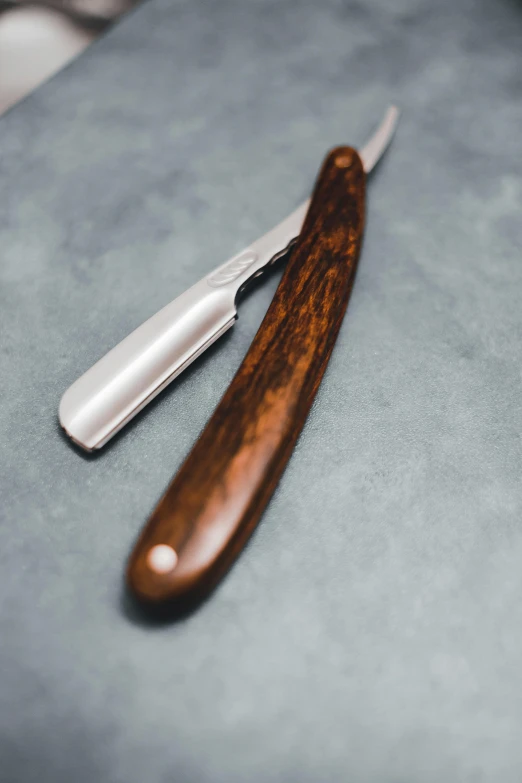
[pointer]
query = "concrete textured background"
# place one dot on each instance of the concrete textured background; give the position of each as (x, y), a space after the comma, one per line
(372, 630)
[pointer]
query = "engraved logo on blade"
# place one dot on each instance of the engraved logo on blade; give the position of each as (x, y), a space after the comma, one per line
(233, 269)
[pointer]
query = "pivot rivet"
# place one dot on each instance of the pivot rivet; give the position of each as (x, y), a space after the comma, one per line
(343, 161)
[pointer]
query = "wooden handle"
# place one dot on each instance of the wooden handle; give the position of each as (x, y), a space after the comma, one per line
(214, 503)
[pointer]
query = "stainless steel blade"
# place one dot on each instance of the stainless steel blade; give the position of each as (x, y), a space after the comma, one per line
(120, 384)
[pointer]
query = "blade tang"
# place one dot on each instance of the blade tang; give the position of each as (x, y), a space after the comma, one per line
(374, 148)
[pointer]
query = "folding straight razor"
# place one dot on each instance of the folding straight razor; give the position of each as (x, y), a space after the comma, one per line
(120, 384)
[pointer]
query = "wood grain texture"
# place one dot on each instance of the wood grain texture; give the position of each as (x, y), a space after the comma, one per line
(216, 499)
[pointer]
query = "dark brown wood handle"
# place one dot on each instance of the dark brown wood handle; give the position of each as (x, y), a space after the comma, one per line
(216, 499)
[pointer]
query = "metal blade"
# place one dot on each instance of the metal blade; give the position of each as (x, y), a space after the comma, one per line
(120, 384)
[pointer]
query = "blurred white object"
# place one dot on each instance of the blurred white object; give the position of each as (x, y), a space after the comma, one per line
(35, 42)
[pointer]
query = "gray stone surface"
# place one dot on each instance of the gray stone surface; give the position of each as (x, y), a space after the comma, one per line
(372, 630)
